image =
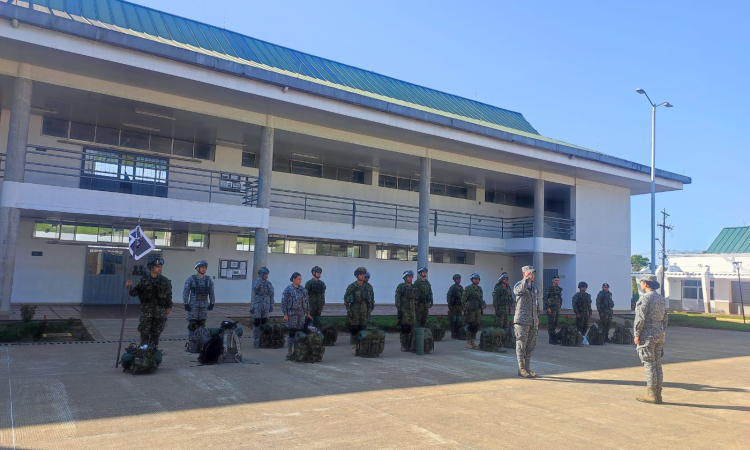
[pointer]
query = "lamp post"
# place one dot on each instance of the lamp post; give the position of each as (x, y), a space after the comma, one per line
(653, 175)
(737, 267)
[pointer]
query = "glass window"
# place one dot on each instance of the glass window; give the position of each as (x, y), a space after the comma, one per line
(248, 159)
(161, 238)
(358, 176)
(387, 182)
(462, 192)
(329, 172)
(344, 174)
(67, 232)
(46, 230)
(161, 144)
(524, 201)
(414, 185)
(404, 184)
(197, 240)
(107, 136)
(451, 191)
(204, 151)
(282, 165)
(246, 243)
(305, 247)
(276, 245)
(307, 169)
(134, 139)
(437, 189)
(55, 127)
(354, 251)
(290, 247)
(413, 254)
(86, 233)
(459, 258)
(323, 249)
(182, 148)
(400, 254)
(82, 131)
(339, 249)
(105, 234)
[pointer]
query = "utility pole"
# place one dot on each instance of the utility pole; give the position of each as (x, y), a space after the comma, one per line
(664, 228)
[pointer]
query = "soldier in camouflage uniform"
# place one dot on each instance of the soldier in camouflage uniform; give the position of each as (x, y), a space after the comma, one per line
(473, 303)
(316, 290)
(262, 303)
(552, 304)
(407, 295)
(198, 297)
(425, 297)
(295, 306)
(582, 308)
(155, 293)
(605, 307)
(526, 320)
(455, 309)
(649, 329)
(502, 300)
(359, 302)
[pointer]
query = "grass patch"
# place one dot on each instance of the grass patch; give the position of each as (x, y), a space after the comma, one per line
(32, 331)
(708, 321)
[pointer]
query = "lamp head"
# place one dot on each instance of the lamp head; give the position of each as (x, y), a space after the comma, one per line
(640, 91)
(668, 105)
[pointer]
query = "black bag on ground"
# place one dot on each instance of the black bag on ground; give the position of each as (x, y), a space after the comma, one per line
(330, 333)
(212, 350)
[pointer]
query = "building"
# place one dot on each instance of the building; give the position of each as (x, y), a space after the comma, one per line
(221, 143)
(692, 279)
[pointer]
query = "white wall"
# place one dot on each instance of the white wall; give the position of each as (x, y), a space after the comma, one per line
(603, 240)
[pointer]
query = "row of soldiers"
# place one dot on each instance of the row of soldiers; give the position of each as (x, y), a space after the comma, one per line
(581, 308)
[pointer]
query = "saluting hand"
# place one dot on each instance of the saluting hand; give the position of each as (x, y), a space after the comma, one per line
(286, 318)
(637, 340)
(128, 283)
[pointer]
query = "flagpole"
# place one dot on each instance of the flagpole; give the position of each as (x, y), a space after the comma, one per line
(127, 272)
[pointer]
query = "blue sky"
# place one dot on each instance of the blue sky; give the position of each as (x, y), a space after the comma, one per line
(570, 67)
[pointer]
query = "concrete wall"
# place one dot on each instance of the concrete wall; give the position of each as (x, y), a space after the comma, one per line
(603, 240)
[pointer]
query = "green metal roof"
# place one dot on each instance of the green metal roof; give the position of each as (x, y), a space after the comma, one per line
(184, 33)
(731, 240)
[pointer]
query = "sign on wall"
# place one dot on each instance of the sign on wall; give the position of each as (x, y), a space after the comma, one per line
(232, 182)
(232, 269)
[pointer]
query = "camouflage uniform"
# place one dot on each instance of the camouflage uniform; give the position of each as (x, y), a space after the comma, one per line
(582, 307)
(553, 301)
(605, 307)
(155, 294)
(371, 303)
(455, 308)
(502, 300)
(473, 304)
(316, 291)
(199, 294)
(526, 322)
(262, 301)
(424, 303)
(406, 303)
(650, 326)
(359, 303)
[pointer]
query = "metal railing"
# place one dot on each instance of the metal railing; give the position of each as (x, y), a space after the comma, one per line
(137, 173)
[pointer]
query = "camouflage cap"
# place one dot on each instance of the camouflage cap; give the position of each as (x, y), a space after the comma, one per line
(360, 271)
(316, 269)
(583, 284)
(648, 277)
(605, 285)
(263, 270)
(526, 269)
(457, 277)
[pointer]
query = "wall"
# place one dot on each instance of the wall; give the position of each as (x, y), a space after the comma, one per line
(603, 239)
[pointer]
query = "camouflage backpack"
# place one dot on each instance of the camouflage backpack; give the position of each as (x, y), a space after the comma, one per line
(595, 335)
(461, 333)
(509, 338)
(429, 342)
(438, 332)
(197, 339)
(232, 350)
(136, 360)
(330, 333)
(370, 342)
(308, 347)
(491, 339)
(623, 334)
(569, 337)
(273, 335)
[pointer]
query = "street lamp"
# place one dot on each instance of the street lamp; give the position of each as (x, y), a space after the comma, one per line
(737, 267)
(653, 175)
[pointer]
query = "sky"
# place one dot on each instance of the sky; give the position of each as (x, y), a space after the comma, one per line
(571, 68)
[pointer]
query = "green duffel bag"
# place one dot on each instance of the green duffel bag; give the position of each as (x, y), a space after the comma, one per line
(491, 340)
(370, 343)
(438, 332)
(330, 333)
(595, 335)
(273, 335)
(429, 342)
(308, 347)
(509, 338)
(568, 336)
(136, 360)
(461, 334)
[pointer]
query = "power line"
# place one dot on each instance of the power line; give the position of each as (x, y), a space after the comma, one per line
(664, 227)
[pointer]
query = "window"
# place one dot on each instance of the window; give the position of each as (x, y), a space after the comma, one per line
(93, 233)
(134, 139)
(436, 255)
(82, 131)
(120, 172)
(248, 159)
(693, 289)
(307, 169)
(302, 246)
(318, 170)
(55, 127)
(410, 184)
(245, 243)
(197, 240)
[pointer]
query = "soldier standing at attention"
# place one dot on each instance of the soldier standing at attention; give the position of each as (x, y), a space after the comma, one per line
(406, 301)
(552, 304)
(155, 293)
(502, 300)
(650, 330)
(372, 295)
(526, 320)
(198, 297)
(262, 303)
(316, 291)
(605, 307)
(296, 308)
(455, 310)
(582, 307)
(357, 301)
(425, 297)
(473, 303)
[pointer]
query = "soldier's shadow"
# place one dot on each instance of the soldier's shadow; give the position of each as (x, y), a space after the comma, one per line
(687, 386)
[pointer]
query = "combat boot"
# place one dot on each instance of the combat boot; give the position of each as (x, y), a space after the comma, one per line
(552, 339)
(523, 373)
(658, 395)
(354, 349)
(650, 397)
(289, 352)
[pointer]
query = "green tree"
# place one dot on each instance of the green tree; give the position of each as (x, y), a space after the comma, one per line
(638, 262)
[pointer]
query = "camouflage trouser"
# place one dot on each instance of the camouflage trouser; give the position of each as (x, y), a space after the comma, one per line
(151, 324)
(454, 311)
(502, 319)
(422, 310)
(198, 311)
(526, 336)
(405, 336)
(357, 314)
(606, 321)
(316, 310)
(552, 320)
(650, 352)
(582, 324)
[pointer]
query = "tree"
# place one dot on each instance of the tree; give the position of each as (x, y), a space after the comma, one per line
(638, 262)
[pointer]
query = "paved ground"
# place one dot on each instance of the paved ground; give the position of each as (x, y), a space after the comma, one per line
(70, 397)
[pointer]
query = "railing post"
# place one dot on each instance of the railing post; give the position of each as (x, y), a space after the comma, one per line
(304, 211)
(435, 225)
(469, 224)
(396, 224)
(211, 187)
(354, 213)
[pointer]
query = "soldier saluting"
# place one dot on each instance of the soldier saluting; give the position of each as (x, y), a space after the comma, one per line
(155, 293)
(552, 304)
(526, 320)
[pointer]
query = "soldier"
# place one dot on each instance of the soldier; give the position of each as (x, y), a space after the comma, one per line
(372, 291)
(155, 293)
(455, 310)
(198, 297)
(407, 296)
(296, 308)
(582, 308)
(425, 297)
(502, 300)
(605, 307)
(262, 303)
(552, 304)
(316, 291)
(473, 303)
(526, 320)
(649, 329)
(358, 300)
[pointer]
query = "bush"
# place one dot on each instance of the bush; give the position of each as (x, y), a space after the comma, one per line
(27, 313)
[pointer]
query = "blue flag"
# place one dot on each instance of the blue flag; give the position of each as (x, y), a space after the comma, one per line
(139, 244)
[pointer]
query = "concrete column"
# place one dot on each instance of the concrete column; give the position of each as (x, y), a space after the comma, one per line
(539, 232)
(425, 176)
(15, 167)
(265, 167)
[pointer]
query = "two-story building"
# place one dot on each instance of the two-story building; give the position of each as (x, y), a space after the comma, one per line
(221, 144)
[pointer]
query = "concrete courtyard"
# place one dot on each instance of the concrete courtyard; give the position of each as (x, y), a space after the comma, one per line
(71, 397)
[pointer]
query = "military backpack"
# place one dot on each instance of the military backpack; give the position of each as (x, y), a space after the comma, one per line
(461, 333)
(595, 336)
(429, 342)
(273, 335)
(569, 337)
(622, 335)
(370, 342)
(509, 338)
(330, 333)
(137, 360)
(491, 339)
(197, 339)
(308, 347)
(232, 349)
(437, 330)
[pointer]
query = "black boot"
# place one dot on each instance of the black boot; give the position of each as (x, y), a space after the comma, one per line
(552, 340)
